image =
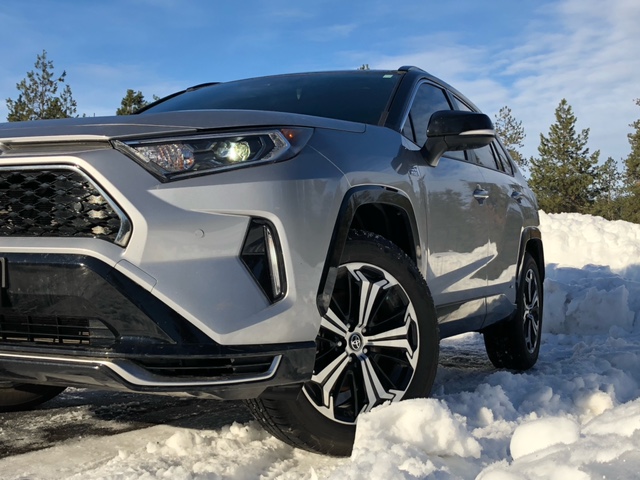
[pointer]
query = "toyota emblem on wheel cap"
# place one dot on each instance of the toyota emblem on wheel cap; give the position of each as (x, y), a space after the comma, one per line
(355, 342)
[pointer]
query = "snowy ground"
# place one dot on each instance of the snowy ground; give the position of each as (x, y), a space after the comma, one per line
(576, 415)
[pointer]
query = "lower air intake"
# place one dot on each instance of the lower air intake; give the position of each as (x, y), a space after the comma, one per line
(54, 330)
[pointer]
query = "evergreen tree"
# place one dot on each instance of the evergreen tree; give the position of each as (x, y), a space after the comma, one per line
(38, 98)
(565, 177)
(631, 206)
(131, 102)
(608, 204)
(512, 134)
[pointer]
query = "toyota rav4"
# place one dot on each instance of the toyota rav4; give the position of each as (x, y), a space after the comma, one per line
(301, 242)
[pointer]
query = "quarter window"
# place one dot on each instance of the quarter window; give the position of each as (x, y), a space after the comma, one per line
(461, 106)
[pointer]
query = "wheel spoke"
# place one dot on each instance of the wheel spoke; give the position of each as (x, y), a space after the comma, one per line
(332, 323)
(534, 301)
(531, 304)
(328, 376)
(376, 393)
(531, 290)
(368, 295)
(394, 338)
(532, 335)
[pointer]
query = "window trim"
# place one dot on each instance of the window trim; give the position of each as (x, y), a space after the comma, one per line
(507, 157)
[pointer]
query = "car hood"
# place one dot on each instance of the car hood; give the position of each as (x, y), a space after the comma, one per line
(153, 124)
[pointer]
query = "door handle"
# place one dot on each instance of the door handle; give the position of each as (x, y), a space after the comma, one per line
(480, 194)
(517, 196)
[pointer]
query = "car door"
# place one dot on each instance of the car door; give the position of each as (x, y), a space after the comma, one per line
(457, 234)
(505, 222)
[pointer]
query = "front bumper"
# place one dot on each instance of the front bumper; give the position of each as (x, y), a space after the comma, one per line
(170, 307)
(144, 374)
(71, 320)
(136, 374)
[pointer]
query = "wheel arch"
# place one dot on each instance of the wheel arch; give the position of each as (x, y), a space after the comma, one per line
(531, 242)
(377, 209)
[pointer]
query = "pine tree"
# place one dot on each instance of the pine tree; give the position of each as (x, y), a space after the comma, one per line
(631, 206)
(512, 134)
(608, 204)
(565, 177)
(131, 102)
(38, 98)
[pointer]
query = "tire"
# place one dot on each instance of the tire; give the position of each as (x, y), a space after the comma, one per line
(23, 396)
(515, 343)
(371, 349)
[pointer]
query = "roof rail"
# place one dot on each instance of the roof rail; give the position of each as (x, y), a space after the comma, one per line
(407, 68)
(201, 85)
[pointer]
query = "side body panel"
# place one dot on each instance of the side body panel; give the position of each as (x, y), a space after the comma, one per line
(458, 248)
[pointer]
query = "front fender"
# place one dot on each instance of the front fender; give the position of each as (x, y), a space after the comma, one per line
(355, 198)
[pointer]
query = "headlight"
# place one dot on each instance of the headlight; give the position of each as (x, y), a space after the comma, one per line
(179, 157)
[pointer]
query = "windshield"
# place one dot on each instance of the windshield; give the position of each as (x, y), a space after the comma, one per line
(358, 96)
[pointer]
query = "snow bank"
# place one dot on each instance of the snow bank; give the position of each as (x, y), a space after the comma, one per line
(593, 275)
(406, 441)
(574, 240)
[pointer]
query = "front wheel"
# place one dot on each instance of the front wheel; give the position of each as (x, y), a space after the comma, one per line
(515, 343)
(23, 396)
(377, 343)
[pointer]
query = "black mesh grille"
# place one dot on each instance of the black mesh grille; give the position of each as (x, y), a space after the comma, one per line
(62, 331)
(54, 203)
(208, 367)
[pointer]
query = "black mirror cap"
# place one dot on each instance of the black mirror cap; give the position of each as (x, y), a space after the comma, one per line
(452, 130)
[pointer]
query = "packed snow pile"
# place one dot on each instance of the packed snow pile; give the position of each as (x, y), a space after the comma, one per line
(575, 415)
(593, 274)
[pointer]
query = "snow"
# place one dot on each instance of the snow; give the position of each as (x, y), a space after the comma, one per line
(575, 415)
(537, 435)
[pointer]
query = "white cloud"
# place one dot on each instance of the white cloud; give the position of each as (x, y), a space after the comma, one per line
(588, 57)
(590, 63)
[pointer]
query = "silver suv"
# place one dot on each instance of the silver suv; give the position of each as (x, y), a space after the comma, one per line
(302, 242)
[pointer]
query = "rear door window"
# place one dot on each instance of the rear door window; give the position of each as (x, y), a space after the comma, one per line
(485, 157)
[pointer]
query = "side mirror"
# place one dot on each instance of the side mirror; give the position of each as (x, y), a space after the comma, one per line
(451, 130)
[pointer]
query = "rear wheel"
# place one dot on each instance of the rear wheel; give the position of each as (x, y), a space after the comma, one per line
(377, 343)
(23, 396)
(515, 343)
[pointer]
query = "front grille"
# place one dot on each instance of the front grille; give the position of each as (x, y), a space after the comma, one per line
(56, 202)
(61, 331)
(207, 367)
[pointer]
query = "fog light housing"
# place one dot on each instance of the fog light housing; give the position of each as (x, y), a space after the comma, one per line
(262, 255)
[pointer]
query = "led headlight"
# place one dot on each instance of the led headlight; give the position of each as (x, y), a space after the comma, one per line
(200, 154)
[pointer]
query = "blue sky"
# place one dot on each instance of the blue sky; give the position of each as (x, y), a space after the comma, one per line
(527, 54)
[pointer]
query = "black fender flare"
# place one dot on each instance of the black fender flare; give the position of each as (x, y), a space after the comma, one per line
(353, 199)
(529, 235)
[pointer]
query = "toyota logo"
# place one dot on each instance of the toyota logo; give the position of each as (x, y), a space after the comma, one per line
(355, 342)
